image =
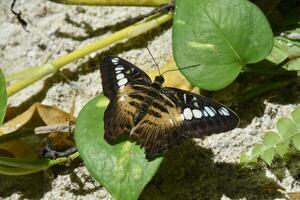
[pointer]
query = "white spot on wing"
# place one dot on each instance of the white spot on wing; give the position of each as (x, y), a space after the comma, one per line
(209, 111)
(122, 82)
(119, 68)
(224, 111)
(197, 113)
(184, 98)
(188, 114)
(120, 76)
(196, 104)
(214, 110)
(205, 113)
(115, 61)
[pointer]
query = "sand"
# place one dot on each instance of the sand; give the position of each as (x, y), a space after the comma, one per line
(198, 169)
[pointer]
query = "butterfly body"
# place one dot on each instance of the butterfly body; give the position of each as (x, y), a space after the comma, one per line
(157, 117)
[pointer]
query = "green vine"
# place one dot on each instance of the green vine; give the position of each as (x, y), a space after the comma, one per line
(288, 132)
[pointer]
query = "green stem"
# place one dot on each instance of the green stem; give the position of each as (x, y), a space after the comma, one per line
(113, 2)
(3, 97)
(14, 171)
(24, 163)
(269, 71)
(63, 159)
(263, 88)
(14, 166)
(39, 72)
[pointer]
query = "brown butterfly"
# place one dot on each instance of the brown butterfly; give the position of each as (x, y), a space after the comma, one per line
(157, 117)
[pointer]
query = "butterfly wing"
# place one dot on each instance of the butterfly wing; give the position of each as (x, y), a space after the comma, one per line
(117, 73)
(172, 113)
(119, 114)
(201, 115)
(160, 128)
(118, 77)
(175, 114)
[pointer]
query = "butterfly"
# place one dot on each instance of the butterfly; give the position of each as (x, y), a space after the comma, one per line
(157, 117)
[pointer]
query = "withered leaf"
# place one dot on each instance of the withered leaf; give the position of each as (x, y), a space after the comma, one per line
(172, 78)
(23, 125)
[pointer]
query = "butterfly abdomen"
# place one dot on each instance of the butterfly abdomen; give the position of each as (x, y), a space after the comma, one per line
(141, 112)
(147, 101)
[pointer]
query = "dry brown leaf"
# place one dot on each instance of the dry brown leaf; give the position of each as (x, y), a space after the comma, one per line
(35, 116)
(19, 149)
(294, 195)
(172, 78)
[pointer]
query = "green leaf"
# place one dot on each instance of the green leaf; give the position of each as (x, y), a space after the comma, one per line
(258, 148)
(294, 65)
(279, 52)
(3, 97)
(296, 116)
(244, 158)
(282, 148)
(296, 141)
(222, 36)
(276, 142)
(286, 127)
(283, 48)
(121, 168)
(268, 155)
(270, 139)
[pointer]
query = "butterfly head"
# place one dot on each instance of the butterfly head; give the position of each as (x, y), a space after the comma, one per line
(158, 81)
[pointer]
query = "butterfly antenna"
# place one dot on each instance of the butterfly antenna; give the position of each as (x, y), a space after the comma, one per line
(170, 70)
(154, 61)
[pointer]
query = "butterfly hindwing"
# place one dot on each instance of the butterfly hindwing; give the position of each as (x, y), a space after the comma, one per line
(117, 73)
(158, 130)
(176, 114)
(120, 113)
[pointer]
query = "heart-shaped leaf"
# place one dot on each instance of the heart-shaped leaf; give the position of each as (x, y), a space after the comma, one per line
(3, 97)
(286, 127)
(121, 168)
(296, 116)
(221, 36)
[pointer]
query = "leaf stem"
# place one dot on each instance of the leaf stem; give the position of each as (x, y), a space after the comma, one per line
(14, 166)
(260, 89)
(113, 2)
(39, 72)
(269, 71)
(24, 163)
(15, 171)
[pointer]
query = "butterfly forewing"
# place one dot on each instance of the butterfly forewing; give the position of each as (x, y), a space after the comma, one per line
(117, 73)
(158, 118)
(200, 115)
